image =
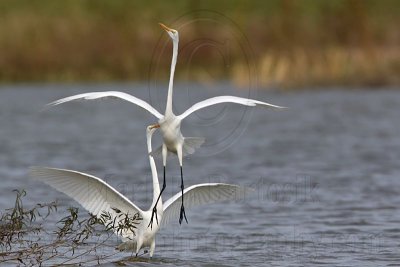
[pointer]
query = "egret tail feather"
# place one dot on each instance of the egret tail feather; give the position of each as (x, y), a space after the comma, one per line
(157, 152)
(191, 144)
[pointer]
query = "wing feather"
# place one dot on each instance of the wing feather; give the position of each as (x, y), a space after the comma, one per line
(113, 94)
(224, 99)
(201, 194)
(95, 195)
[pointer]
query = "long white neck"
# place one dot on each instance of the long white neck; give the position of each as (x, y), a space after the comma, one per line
(156, 184)
(168, 109)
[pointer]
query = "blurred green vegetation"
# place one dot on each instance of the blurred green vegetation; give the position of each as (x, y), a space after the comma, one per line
(295, 43)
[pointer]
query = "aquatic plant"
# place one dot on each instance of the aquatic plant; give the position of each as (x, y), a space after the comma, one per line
(26, 240)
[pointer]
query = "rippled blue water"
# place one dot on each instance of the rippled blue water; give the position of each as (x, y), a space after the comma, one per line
(325, 171)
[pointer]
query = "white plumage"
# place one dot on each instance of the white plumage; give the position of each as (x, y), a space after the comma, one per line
(169, 123)
(111, 94)
(97, 197)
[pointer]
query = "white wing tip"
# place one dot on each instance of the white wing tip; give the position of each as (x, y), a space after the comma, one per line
(281, 107)
(37, 173)
(275, 106)
(241, 192)
(35, 170)
(51, 104)
(256, 102)
(244, 190)
(40, 173)
(54, 103)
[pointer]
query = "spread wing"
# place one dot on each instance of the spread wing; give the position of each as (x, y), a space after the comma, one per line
(120, 95)
(95, 195)
(201, 194)
(224, 99)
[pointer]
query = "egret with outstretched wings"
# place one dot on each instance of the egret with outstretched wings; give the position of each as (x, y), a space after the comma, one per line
(98, 197)
(169, 123)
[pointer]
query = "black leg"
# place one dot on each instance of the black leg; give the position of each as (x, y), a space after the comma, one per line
(183, 214)
(155, 205)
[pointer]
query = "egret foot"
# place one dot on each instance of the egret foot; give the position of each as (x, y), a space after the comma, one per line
(152, 217)
(182, 215)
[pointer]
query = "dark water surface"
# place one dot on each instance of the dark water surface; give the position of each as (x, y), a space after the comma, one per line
(325, 172)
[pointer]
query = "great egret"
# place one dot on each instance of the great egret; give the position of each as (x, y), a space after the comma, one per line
(169, 123)
(98, 197)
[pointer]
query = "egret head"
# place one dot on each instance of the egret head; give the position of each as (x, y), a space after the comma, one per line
(171, 32)
(151, 129)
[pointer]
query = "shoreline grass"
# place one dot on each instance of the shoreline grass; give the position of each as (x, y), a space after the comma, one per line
(293, 43)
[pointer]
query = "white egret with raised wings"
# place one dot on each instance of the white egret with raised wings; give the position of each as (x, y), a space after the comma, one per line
(169, 123)
(98, 197)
